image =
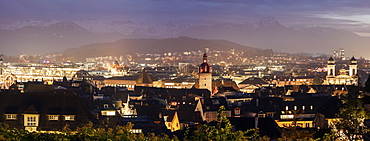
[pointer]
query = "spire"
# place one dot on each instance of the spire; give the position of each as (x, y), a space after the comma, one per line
(205, 60)
(353, 61)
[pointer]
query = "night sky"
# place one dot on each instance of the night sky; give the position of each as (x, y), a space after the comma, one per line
(352, 15)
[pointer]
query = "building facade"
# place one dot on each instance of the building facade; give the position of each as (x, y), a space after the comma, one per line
(342, 76)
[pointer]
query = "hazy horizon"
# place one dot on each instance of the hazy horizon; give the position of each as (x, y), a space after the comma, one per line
(147, 15)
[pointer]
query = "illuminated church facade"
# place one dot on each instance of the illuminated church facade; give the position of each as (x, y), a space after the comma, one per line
(342, 76)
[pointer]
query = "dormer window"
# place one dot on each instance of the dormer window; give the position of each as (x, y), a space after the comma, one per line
(69, 117)
(105, 105)
(237, 111)
(261, 115)
(32, 121)
(11, 116)
(53, 117)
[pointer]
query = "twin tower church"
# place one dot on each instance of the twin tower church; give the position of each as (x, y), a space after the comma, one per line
(342, 76)
(333, 77)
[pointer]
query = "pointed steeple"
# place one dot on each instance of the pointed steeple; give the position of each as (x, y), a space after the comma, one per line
(144, 78)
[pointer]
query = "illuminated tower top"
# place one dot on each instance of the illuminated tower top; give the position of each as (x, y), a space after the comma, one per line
(331, 61)
(205, 67)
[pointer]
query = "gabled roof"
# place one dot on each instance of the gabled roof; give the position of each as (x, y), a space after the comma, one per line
(213, 104)
(330, 108)
(226, 85)
(266, 126)
(11, 110)
(174, 93)
(31, 110)
(187, 113)
(129, 77)
(124, 97)
(43, 103)
(169, 113)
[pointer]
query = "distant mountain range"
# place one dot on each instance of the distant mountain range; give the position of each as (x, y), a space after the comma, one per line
(41, 37)
(269, 33)
(153, 46)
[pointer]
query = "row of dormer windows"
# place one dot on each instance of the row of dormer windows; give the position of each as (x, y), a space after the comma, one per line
(50, 117)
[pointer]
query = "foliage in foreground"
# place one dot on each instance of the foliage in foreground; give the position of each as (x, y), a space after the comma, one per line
(85, 133)
(352, 115)
(221, 131)
(218, 130)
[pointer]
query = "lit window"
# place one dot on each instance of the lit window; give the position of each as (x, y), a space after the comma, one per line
(286, 108)
(53, 117)
(31, 121)
(295, 107)
(261, 115)
(11, 116)
(136, 131)
(69, 117)
(105, 105)
(270, 114)
(237, 111)
(108, 113)
(286, 116)
(303, 107)
(311, 107)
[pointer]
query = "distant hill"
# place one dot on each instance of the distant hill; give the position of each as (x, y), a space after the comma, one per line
(160, 46)
(44, 39)
(268, 33)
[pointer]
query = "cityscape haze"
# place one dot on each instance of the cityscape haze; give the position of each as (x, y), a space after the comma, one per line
(184, 70)
(41, 27)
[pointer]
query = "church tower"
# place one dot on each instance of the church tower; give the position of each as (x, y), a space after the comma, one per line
(205, 74)
(353, 67)
(331, 67)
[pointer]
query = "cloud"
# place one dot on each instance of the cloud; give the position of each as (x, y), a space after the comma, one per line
(313, 12)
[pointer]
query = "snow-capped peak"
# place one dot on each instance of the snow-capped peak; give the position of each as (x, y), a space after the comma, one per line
(24, 23)
(264, 22)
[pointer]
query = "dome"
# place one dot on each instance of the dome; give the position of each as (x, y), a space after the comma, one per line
(331, 61)
(353, 61)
